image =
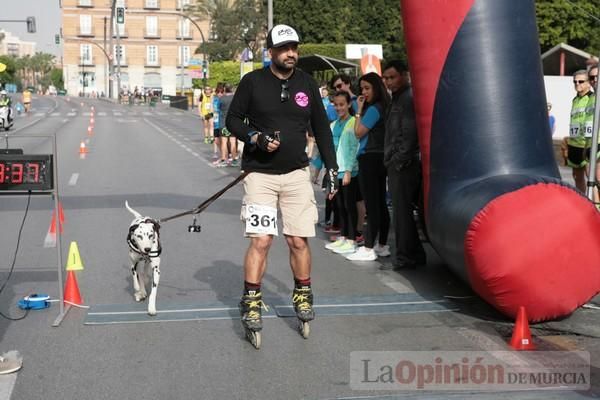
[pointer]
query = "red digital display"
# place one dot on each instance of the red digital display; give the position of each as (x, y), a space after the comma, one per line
(26, 172)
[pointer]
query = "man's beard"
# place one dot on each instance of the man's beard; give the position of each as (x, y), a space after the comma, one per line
(282, 67)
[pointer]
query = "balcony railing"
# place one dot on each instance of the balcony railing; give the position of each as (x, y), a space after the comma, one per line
(87, 62)
(182, 4)
(185, 35)
(122, 33)
(152, 34)
(83, 32)
(153, 63)
(122, 62)
(151, 5)
(85, 3)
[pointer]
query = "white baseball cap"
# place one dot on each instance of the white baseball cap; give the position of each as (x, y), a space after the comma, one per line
(281, 35)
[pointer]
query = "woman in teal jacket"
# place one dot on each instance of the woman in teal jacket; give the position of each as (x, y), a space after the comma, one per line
(346, 150)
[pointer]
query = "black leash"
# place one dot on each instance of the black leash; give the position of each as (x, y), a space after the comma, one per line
(208, 201)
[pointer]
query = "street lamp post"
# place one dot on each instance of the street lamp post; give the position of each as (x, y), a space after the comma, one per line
(110, 44)
(181, 67)
(204, 55)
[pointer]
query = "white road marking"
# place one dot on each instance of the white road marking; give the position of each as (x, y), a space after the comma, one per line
(55, 114)
(73, 180)
(71, 114)
(165, 133)
(65, 120)
(394, 283)
(147, 113)
(7, 384)
(102, 114)
(117, 114)
(39, 115)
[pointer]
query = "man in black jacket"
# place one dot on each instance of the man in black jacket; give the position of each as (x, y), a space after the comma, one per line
(402, 159)
(271, 113)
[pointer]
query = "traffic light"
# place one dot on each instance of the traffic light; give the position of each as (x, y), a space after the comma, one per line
(120, 15)
(57, 39)
(204, 68)
(30, 24)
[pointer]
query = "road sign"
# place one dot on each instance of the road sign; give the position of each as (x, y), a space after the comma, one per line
(194, 64)
(57, 38)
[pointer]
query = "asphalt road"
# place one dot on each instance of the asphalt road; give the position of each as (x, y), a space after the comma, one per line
(155, 159)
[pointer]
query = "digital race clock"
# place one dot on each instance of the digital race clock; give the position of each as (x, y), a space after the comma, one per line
(20, 172)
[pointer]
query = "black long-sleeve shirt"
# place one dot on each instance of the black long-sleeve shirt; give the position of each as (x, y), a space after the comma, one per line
(401, 139)
(257, 107)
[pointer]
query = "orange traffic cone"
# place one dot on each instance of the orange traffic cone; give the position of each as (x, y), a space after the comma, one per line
(521, 338)
(50, 239)
(90, 131)
(82, 148)
(72, 295)
(92, 120)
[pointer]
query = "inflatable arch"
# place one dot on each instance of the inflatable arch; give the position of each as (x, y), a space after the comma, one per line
(496, 209)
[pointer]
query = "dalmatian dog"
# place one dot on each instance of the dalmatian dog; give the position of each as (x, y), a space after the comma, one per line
(144, 248)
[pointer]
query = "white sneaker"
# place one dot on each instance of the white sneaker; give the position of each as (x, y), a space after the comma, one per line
(346, 248)
(336, 244)
(362, 254)
(382, 251)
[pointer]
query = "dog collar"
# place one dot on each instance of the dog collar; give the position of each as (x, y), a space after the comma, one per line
(151, 254)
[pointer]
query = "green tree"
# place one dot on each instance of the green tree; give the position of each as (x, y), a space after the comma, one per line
(9, 74)
(220, 14)
(234, 26)
(351, 21)
(56, 78)
(571, 22)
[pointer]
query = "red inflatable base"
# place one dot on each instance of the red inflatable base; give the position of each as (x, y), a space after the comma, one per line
(537, 247)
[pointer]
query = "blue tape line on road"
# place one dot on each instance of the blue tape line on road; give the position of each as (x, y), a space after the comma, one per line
(404, 303)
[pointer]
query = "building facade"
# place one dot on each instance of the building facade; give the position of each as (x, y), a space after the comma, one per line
(13, 46)
(155, 42)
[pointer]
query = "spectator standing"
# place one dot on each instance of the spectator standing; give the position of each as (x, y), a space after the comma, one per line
(329, 109)
(370, 130)
(580, 129)
(27, 100)
(207, 113)
(347, 148)
(402, 159)
(344, 83)
(593, 77)
(216, 106)
(271, 112)
(228, 142)
(551, 119)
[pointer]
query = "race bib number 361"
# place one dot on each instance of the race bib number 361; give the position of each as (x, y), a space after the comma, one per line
(261, 219)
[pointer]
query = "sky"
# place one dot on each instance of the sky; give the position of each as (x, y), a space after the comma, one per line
(47, 19)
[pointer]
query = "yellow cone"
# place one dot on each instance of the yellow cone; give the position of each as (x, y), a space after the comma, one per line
(74, 261)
